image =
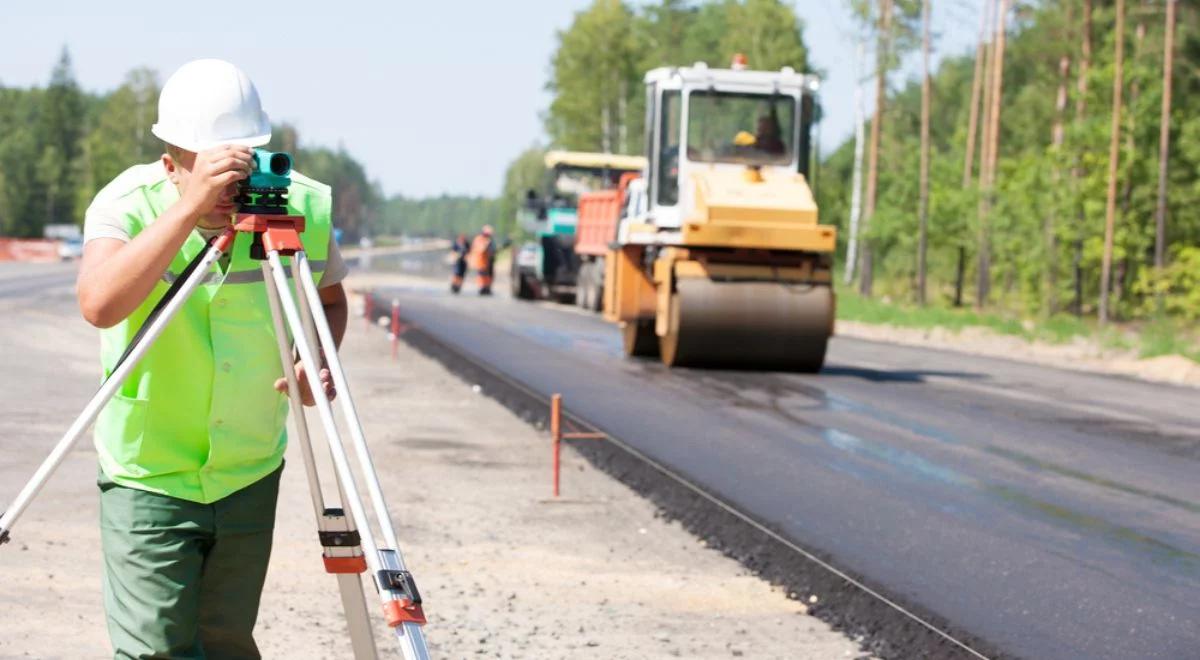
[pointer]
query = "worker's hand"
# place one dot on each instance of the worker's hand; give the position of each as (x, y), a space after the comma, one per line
(210, 187)
(306, 395)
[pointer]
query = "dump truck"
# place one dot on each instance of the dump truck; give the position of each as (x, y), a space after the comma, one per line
(718, 258)
(599, 213)
(547, 267)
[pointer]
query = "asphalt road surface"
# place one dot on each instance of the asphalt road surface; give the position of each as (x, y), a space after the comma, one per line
(1050, 513)
(19, 280)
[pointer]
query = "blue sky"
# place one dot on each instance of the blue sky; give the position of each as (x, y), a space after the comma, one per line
(433, 96)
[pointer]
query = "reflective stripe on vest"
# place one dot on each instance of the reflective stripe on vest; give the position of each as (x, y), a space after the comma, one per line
(199, 417)
(244, 277)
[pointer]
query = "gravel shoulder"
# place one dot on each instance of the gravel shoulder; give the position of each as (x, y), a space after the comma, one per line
(505, 570)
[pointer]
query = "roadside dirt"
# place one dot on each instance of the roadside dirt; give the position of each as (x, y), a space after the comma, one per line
(505, 570)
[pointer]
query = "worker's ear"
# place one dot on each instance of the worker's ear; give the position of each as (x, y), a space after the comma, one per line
(171, 168)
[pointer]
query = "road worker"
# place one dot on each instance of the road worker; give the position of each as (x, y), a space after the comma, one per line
(459, 250)
(191, 447)
(483, 259)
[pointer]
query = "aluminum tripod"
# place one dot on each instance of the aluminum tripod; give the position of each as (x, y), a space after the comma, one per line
(348, 549)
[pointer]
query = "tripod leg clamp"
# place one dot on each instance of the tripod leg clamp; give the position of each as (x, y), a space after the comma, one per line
(342, 553)
(406, 607)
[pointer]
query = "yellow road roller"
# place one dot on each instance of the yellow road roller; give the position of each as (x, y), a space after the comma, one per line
(718, 258)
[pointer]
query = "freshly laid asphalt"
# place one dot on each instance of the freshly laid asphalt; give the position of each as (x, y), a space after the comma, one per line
(1050, 513)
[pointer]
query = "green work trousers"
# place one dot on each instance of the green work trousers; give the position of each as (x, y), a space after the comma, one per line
(183, 579)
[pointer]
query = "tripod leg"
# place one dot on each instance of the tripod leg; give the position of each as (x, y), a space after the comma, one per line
(312, 299)
(408, 631)
(395, 588)
(333, 525)
(289, 372)
(174, 299)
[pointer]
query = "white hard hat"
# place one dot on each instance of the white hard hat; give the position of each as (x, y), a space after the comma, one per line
(208, 103)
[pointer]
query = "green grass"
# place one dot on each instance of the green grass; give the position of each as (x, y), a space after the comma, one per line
(853, 307)
(1150, 339)
(1168, 337)
(1062, 328)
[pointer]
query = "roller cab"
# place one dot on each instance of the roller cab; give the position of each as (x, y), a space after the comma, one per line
(719, 258)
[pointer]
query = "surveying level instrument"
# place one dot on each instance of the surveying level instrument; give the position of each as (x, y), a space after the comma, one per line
(349, 544)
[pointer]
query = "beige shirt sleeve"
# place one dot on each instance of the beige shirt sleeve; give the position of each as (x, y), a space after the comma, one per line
(335, 267)
(103, 220)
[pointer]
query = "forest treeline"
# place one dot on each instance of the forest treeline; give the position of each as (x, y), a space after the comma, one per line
(1053, 176)
(596, 71)
(1018, 220)
(1038, 179)
(60, 144)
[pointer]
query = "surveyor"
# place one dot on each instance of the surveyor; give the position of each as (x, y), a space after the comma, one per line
(483, 259)
(459, 249)
(191, 447)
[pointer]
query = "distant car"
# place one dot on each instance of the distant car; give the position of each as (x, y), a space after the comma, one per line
(70, 249)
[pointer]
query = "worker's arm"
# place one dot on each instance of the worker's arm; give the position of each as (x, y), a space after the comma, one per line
(116, 276)
(337, 310)
(337, 313)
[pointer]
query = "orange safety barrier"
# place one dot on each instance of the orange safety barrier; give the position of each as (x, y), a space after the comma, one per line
(29, 249)
(369, 307)
(397, 328)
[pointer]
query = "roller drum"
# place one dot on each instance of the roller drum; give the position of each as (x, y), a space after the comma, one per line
(757, 325)
(638, 338)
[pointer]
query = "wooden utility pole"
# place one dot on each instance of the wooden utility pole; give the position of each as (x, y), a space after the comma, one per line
(991, 149)
(923, 211)
(1085, 61)
(866, 273)
(1114, 157)
(1164, 145)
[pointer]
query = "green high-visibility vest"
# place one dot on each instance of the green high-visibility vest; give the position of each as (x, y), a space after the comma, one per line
(199, 418)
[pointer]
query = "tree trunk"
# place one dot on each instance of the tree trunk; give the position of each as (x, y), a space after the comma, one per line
(1114, 157)
(856, 176)
(1164, 147)
(881, 62)
(959, 276)
(1085, 61)
(976, 88)
(1135, 92)
(991, 147)
(923, 211)
(1056, 141)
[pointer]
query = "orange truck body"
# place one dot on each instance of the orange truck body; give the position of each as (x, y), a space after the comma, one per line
(598, 213)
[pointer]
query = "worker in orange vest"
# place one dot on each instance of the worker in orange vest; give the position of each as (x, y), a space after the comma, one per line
(483, 259)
